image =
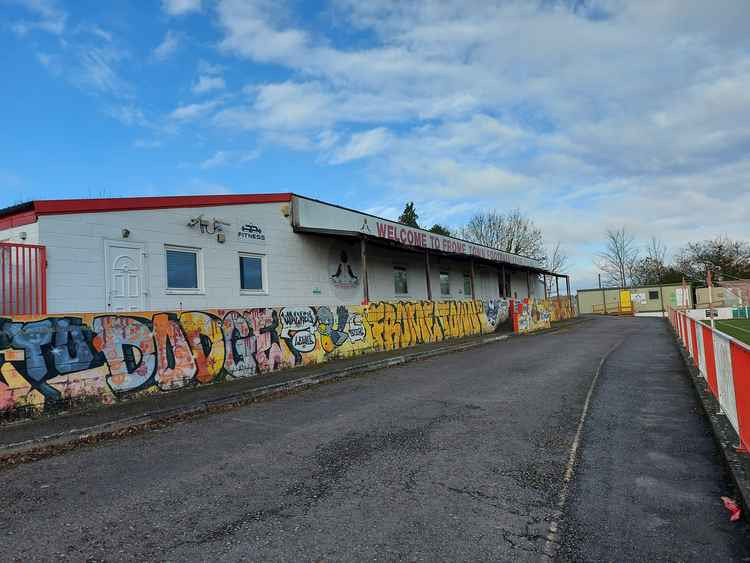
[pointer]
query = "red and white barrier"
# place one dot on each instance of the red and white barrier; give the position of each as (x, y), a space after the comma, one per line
(724, 362)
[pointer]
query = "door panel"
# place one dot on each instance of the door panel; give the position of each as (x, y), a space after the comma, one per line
(124, 276)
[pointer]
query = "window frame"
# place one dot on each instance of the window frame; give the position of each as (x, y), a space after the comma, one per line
(447, 274)
(200, 280)
(404, 269)
(263, 273)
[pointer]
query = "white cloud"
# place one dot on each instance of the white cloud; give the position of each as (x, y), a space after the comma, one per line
(208, 83)
(229, 157)
(191, 112)
(361, 145)
(181, 7)
(168, 46)
(49, 18)
(93, 30)
(128, 114)
(95, 68)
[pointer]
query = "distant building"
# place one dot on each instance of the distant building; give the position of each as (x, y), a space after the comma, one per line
(639, 301)
(735, 293)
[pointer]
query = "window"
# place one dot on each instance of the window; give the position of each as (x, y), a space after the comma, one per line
(445, 283)
(183, 269)
(653, 295)
(400, 287)
(252, 273)
(467, 284)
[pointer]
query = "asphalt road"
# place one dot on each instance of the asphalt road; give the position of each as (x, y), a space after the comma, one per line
(459, 457)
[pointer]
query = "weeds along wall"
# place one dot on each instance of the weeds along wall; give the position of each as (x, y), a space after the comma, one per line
(55, 361)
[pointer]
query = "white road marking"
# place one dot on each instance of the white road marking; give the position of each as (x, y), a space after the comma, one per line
(552, 542)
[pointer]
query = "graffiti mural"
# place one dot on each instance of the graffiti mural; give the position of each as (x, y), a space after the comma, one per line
(48, 361)
(560, 309)
(497, 312)
(531, 315)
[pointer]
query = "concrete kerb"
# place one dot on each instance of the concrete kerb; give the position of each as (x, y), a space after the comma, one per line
(724, 435)
(51, 444)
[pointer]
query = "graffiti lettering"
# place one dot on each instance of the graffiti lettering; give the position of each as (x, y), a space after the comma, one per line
(45, 361)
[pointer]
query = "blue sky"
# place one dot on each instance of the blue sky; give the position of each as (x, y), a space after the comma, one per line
(586, 115)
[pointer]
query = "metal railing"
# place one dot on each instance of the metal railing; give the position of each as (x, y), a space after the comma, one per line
(23, 279)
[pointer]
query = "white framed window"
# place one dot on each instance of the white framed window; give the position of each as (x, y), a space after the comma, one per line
(184, 267)
(400, 284)
(253, 274)
(445, 283)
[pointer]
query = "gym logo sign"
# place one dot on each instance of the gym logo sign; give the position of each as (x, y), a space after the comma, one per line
(250, 232)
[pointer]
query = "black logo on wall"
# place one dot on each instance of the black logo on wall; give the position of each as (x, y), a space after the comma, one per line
(344, 276)
(251, 231)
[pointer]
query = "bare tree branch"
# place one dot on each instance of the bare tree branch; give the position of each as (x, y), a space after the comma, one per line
(512, 232)
(619, 258)
(556, 261)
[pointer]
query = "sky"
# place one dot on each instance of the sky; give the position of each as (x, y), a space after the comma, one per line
(586, 115)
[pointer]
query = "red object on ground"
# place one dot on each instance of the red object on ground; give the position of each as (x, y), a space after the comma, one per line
(732, 507)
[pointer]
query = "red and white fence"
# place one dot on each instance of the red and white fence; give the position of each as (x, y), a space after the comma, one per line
(724, 362)
(23, 279)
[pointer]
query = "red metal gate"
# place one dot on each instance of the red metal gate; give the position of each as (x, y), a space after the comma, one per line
(23, 279)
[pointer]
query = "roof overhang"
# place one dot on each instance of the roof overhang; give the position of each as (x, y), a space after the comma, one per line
(313, 216)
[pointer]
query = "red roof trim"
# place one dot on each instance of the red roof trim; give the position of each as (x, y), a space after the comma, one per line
(23, 216)
(59, 206)
(18, 219)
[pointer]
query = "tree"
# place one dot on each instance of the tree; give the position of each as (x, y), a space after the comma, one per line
(619, 258)
(725, 257)
(441, 230)
(651, 269)
(556, 261)
(512, 232)
(409, 216)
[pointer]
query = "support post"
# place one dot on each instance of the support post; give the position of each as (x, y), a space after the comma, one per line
(604, 296)
(365, 284)
(570, 297)
(427, 274)
(557, 291)
(544, 279)
(505, 288)
(473, 290)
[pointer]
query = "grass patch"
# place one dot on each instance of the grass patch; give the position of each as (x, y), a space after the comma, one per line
(736, 328)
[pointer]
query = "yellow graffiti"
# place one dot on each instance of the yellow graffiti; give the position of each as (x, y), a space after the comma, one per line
(402, 324)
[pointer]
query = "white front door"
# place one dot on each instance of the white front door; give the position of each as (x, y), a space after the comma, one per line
(124, 276)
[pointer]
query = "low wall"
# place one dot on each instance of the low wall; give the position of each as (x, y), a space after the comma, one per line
(60, 359)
